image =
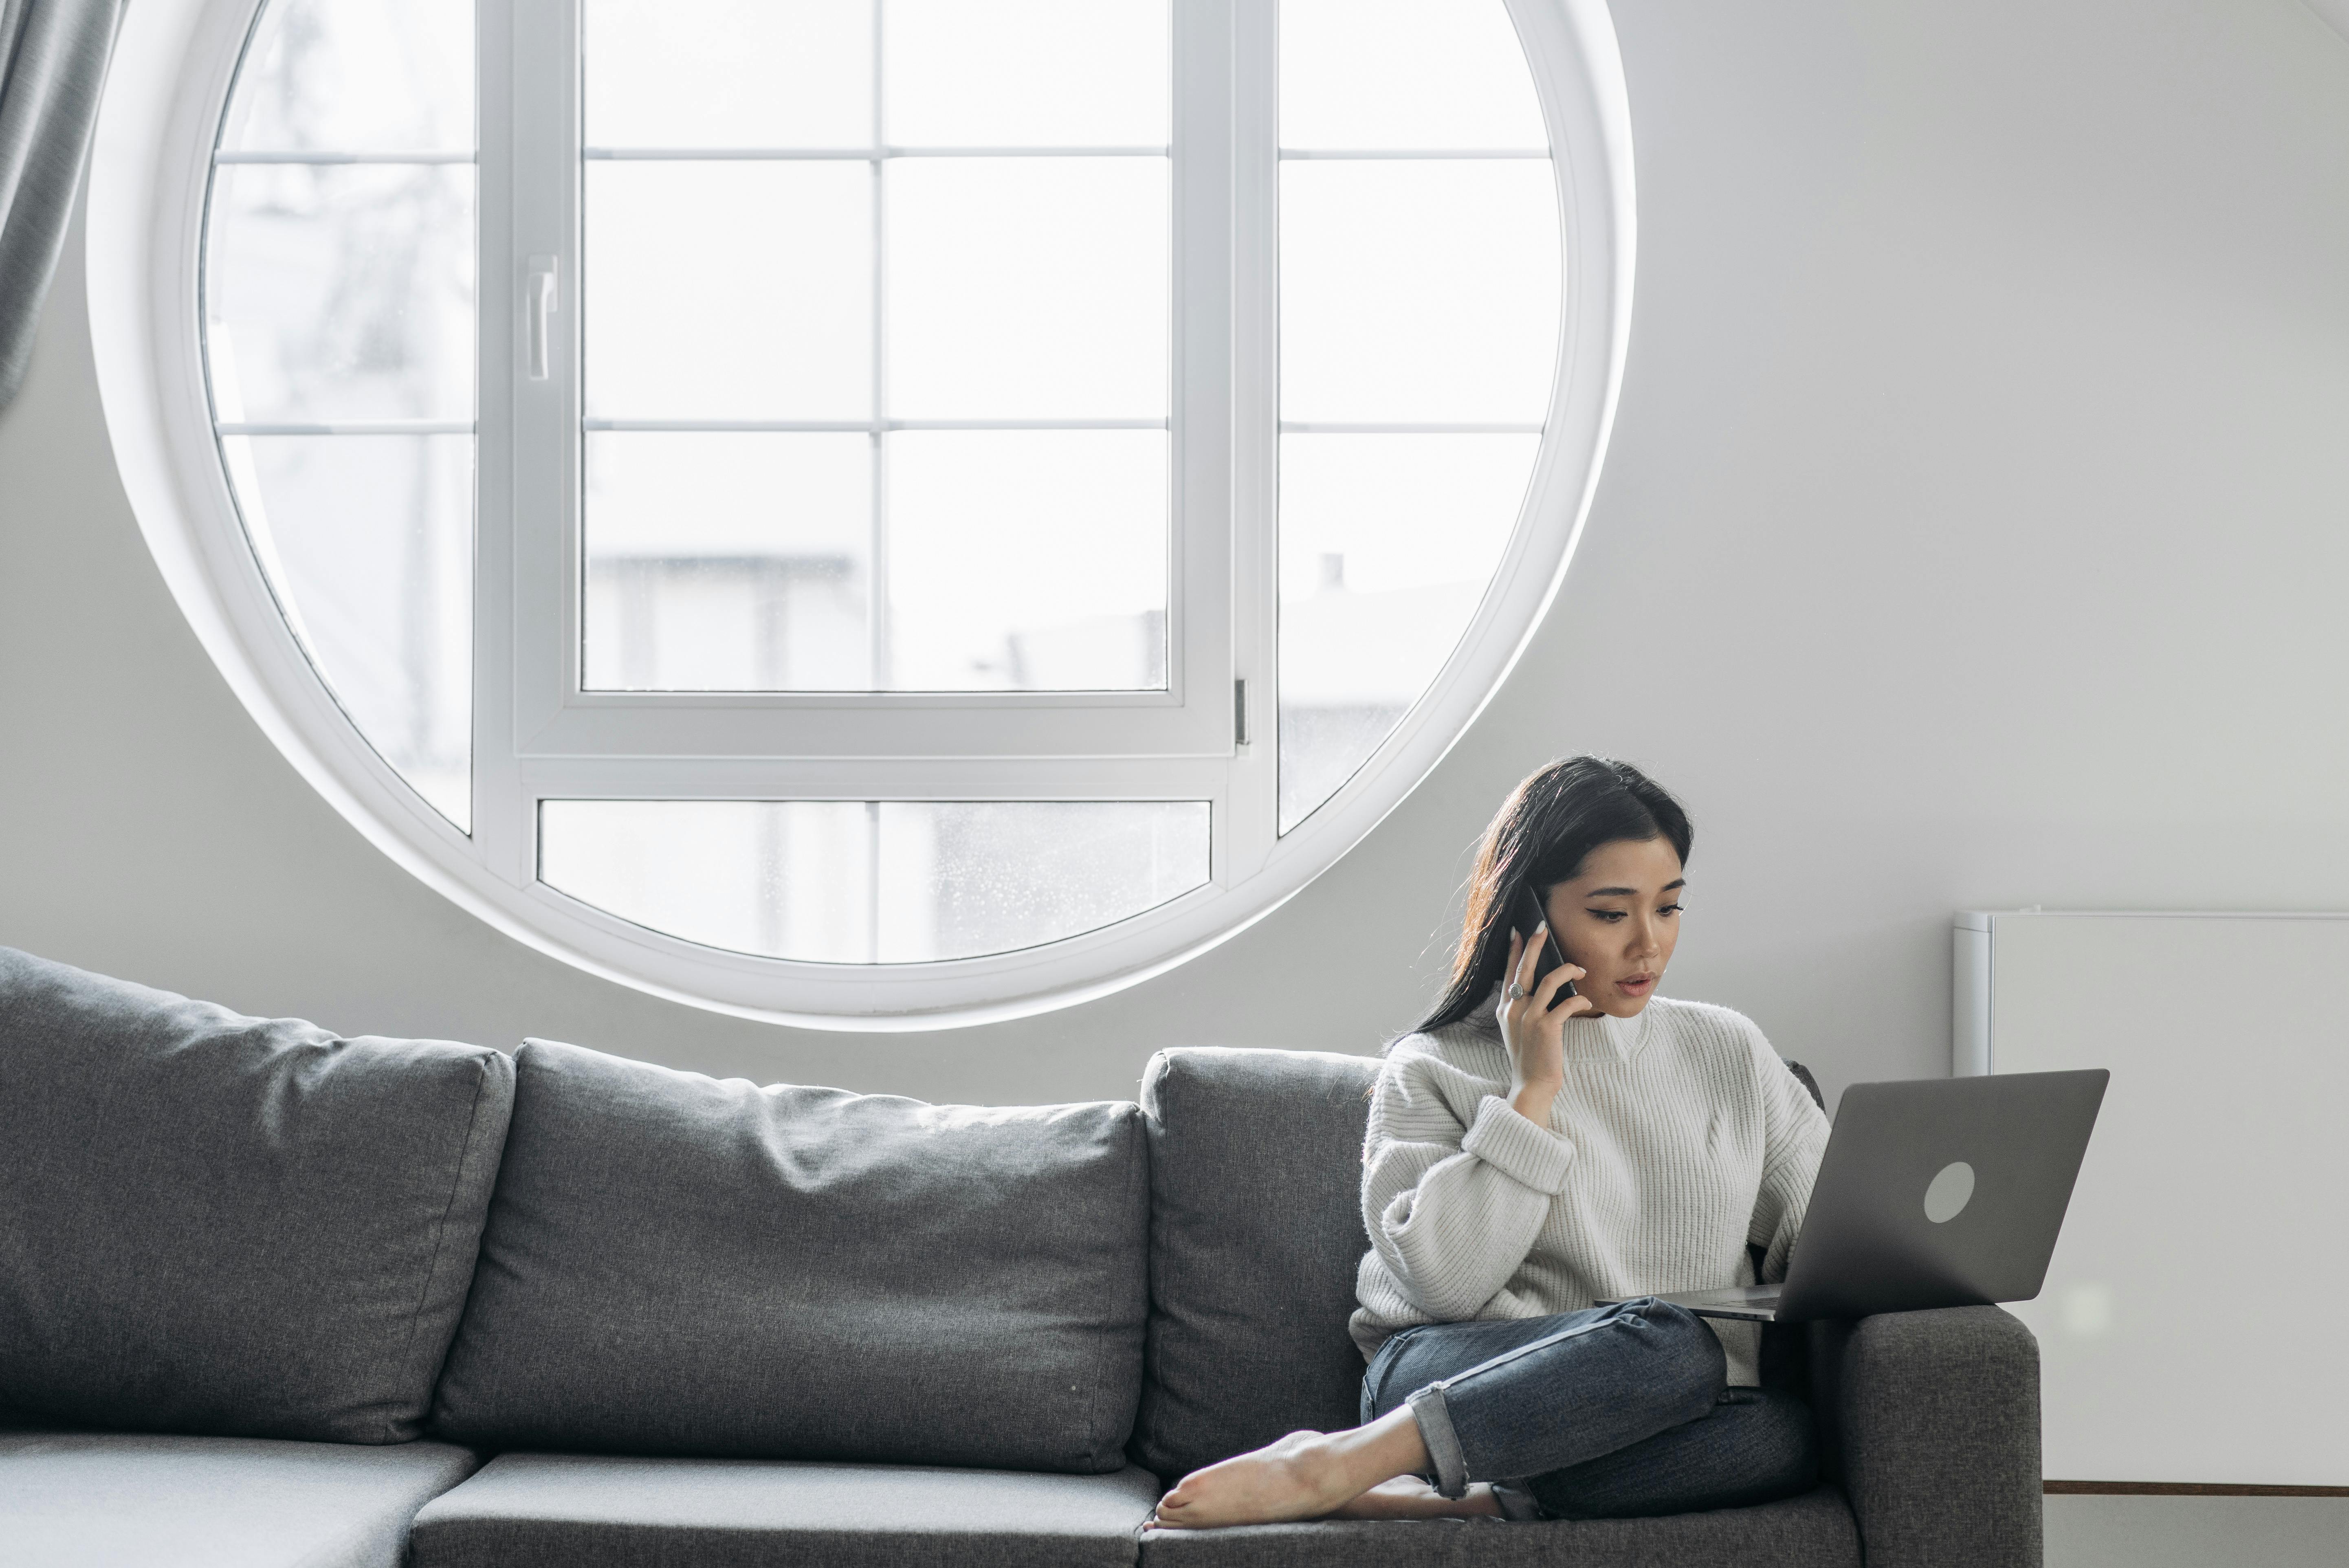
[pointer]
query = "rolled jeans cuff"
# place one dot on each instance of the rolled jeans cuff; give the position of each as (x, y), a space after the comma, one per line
(1444, 1455)
(1515, 1502)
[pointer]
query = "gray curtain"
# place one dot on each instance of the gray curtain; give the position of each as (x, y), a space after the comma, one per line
(52, 63)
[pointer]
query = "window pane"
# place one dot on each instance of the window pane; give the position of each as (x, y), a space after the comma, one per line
(368, 541)
(1386, 545)
(1028, 560)
(1421, 291)
(1027, 73)
(1418, 75)
(861, 881)
(1027, 288)
(729, 561)
(728, 290)
(727, 73)
(357, 75)
(341, 292)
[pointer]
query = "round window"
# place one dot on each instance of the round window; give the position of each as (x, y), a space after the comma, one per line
(886, 511)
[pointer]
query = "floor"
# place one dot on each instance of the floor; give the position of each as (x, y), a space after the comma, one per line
(2198, 1531)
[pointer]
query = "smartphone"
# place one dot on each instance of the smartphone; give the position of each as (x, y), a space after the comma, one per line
(1526, 916)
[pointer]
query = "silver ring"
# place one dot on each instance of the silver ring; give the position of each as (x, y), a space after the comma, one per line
(1518, 992)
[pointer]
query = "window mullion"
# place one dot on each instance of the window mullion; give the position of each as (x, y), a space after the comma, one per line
(540, 179)
(877, 614)
(500, 834)
(1201, 664)
(1252, 196)
(884, 779)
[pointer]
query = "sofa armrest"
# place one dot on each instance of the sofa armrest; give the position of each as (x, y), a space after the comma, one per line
(1929, 1420)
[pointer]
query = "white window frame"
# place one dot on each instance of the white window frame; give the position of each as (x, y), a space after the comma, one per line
(538, 735)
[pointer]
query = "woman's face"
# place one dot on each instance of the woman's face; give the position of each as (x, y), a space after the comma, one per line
(1619, 919)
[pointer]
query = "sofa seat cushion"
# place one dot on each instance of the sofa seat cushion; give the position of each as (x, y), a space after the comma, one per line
(238, 1227)
(1256, 1233)
(1812, 1531)
(134, 1499)
(558, 1511)
(679, 1265)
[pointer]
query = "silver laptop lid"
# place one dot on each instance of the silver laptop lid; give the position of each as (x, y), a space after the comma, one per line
(1941, 1192)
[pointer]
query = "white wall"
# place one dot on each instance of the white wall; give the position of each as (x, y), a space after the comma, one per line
(1976, 534)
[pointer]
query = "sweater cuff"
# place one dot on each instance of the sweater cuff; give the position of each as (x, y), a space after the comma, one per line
(1515, 1147)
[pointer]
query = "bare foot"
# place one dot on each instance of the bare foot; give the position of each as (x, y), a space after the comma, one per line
(1305, 1475)
(1295, 1477)
(1408, 1497)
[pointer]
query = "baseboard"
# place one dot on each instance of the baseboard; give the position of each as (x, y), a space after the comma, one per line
(2183, 1488)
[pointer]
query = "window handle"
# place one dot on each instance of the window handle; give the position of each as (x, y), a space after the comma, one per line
(539, 305)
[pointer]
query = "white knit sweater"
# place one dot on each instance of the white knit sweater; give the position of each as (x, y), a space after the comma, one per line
(1679, 1138)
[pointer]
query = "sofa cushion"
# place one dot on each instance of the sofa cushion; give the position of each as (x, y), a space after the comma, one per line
(1812, 1531)
(238, 1226)
(132, 1500)
(554, 1510)
(680, 1266)
(1255, 1235)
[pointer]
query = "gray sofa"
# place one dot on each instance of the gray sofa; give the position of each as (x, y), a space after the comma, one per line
(271, 1297)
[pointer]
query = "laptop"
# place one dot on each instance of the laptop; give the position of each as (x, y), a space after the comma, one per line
(1938, 1192)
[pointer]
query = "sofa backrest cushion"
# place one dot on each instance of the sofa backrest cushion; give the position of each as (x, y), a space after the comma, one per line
(680, 1266)
(243, 1227)
(1256, 1235)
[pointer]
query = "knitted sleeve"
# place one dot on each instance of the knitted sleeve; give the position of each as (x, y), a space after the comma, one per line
(1452, 1206)
(1795, 1135)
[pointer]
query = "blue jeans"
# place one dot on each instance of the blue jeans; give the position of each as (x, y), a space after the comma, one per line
(1616, 1412)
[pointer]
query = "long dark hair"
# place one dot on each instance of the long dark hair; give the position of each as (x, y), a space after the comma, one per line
(1544, 832)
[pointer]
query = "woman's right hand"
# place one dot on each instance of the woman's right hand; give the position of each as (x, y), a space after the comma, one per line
(1533, 1030)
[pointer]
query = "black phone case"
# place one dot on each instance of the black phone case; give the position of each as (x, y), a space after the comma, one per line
(1529, 915)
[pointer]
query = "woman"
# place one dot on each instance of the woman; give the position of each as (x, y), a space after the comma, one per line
(1529, 1156)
